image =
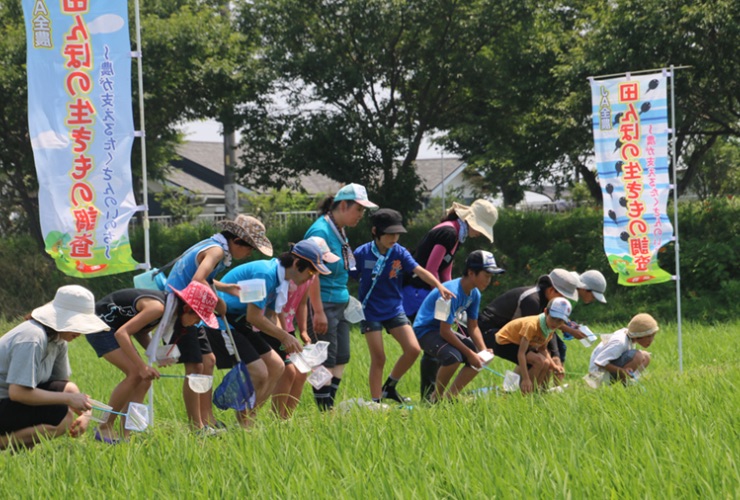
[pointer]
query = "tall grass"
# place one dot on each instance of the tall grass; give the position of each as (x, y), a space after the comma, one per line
(675, 436)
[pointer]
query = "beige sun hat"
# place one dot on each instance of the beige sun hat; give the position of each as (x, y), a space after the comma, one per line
(250, 230)
(642, 325)
(481, 216)
(72, 310)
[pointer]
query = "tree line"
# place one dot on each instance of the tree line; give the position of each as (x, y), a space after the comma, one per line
(350, 89)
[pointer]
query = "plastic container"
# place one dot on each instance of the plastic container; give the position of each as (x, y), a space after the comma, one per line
(442, 309)
(100, 411)
(595, 379)
(299, 362)
(252, 290)
(511, 381)
(353, 312)
(319, 377)
(315, 354)
(486, 357)
(167, 354)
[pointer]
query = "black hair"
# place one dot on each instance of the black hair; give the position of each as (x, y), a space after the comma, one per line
(475, 270)
(236, 239)
(451, 216)
(287, 259)
(328, 204)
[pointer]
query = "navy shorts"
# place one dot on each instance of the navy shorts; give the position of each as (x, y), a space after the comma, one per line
(437, 347)
(103, 342)
(15, 416)
(193, 344)
(388, 324)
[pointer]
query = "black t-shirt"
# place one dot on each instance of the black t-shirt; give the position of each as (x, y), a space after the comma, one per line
(443, 234)
(117, 308)
(501, 310)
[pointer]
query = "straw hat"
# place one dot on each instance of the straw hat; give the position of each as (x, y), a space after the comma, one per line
(201, 299)
(481, 216)
(250, 230)
(72, 310)
(642, 325)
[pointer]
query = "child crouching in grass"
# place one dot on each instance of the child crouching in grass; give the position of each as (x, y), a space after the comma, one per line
(616, 358)
(523, 341)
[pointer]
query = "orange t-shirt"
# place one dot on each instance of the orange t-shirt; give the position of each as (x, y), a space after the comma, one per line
(527, 327)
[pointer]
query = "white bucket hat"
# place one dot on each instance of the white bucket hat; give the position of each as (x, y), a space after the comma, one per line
(593, 281)
(481, 216)
(72, 310)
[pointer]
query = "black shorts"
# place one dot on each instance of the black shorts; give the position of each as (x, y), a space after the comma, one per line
(509, 352)
(275, 344)
(15, 416)
(249, 345)
(193, 344)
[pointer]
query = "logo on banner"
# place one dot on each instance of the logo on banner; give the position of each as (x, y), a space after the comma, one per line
(630, 126)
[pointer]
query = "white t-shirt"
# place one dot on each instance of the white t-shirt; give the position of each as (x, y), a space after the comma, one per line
(610, 349)
(28, 358)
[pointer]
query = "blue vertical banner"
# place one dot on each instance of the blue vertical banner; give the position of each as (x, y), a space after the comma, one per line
(630, 126)
(82, 131)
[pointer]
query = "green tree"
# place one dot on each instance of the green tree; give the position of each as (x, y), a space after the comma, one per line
(364, 82)
(719, 173)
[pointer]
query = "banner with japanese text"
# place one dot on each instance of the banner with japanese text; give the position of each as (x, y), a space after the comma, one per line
(630, 124)
(82, 130)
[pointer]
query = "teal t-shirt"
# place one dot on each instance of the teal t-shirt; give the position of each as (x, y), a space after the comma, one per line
(334, 285)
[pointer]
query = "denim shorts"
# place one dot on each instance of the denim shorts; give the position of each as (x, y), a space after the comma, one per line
(103, 342)
(388, 324)
(437, 347)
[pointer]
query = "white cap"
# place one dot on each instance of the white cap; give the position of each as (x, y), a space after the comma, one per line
(593, 281)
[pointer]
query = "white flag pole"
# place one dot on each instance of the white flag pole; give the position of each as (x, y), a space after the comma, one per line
(144, 183)
(675, 217)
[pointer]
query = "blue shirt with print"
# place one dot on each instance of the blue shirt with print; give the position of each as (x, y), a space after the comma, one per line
(386, 299)
(260, 269)
(334, 285)
(425, 322)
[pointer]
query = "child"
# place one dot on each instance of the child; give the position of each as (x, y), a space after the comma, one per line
(338, 212)
(128, 313)
(202, 263)
(37, 400)
(440, 341)
(266, 360)
(294, 318)
(617, 356)
(591, 286)
(524, 341)
(381, 265)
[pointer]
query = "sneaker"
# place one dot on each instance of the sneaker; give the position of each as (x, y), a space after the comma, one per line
(392, 393)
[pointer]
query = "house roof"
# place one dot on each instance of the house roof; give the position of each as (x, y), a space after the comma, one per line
(200, 169)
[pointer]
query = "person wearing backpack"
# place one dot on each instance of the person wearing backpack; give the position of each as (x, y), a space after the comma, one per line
(435, 253)
(381, 266)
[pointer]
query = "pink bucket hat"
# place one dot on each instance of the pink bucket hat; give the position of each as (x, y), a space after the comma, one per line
(201, 299)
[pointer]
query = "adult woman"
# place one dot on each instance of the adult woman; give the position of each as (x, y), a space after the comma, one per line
(36, 397)
(435, 252)
(345, 209)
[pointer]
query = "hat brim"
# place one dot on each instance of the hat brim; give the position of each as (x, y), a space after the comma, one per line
(484, 230)
(558, 315)
(330, 258)
(494, 270)
(572, 296)
(395, 229)
(63, 320)
(319, 267)
(647, 333)
(365, 203)
(209, 319)
(259, 242)
(599, 296)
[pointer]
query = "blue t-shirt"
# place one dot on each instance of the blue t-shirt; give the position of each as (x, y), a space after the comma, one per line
(184, 269)
(386, 299)
(259, 269)
(425, 322)
(334, 285)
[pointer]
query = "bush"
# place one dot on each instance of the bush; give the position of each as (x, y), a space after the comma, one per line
(527, 244)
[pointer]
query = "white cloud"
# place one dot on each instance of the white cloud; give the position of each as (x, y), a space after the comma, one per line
(107, 23)
(50, 140)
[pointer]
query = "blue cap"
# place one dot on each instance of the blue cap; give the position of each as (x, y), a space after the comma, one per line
(309, 250)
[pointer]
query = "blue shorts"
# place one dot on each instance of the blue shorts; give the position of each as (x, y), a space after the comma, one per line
(103, 342)
(437, 347)
(388, 324)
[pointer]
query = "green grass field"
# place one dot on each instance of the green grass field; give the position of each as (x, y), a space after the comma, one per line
(675, 436)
